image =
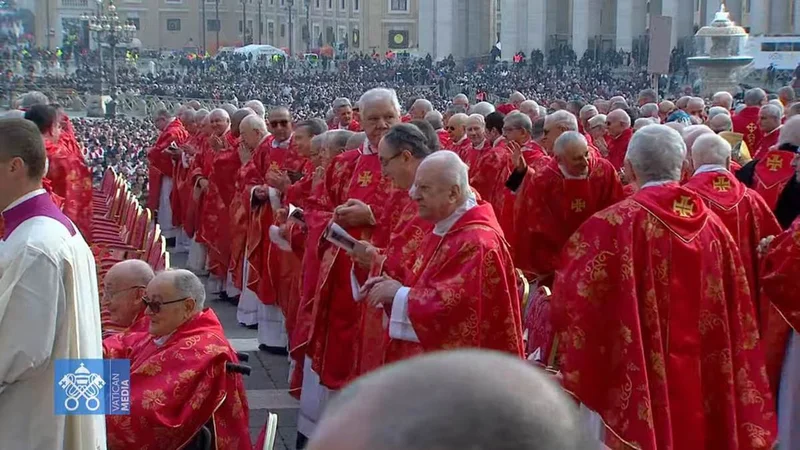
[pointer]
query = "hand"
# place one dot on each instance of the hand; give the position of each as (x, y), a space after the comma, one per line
(763, 246)
(281, 215)
(216, 142)
(516, 155)
(203, 184)
(283, 231)
(601, 145)
(381, 290)
(261, 193)
(244, 154)
(364, 255)
(319, 176)
(354, 213)
(279, 180)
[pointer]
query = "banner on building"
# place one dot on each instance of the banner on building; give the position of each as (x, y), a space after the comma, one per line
(660, 44)
(398, 39)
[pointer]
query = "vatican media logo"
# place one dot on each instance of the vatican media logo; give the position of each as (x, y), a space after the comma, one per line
(92, 387)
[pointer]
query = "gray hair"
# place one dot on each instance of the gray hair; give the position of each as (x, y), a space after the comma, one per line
(477, 118)
(378, 95)
(315, 126)
(588, 109)
(650, 95)
(188, 285)
(716, 111)
(599, 119)
(787, 92)
(356, 140)
(456, 109)
(162, 113)
(649, 110)
(341, 102)
(454, 172)
(460, 97)
(516, 96)
(257, 107)
(692, 132)
(33, 98)
(790, 132)
(404, 136)
(529, 105)
(793, 110)
(643, 122)
(336, 138)
(519, 121)
(254, 122)
(725, 98)
(755, 97)
(710, 149)
(568, 139)
(542, 111)
(483, 108)
(435, 119)
(773, 111)
(423, 104)
(656, 153)
(564, 118)
(720, 123)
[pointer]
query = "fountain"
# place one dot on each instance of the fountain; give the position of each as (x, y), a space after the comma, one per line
(721, 65)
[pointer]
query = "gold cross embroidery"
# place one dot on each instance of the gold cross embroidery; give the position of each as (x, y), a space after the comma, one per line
(751, 127)
(365, 178)
(578, 205)
(774, 163)
(722, 184)
(684, 207)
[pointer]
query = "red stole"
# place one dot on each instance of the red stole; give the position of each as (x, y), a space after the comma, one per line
(772, 173)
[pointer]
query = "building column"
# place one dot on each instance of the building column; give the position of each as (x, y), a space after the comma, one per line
(670, 8)
(796, 18)
(444, 15)
(427, 29)
(509, 29)
(759, 14)
(580, 26)
(537, 29)
(624, 38)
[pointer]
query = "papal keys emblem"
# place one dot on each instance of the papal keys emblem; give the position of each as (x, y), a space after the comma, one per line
(82, 384)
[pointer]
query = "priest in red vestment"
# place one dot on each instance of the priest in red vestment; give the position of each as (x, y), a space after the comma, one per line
(344, 112)
(460, 290)
(219, 187)
(658, 334)
(457, 129)
(772, 174)
(124, 285)
(746, 121)
(514, 100)
(618, 137)
(70, 178)
(749, 220)
(769, 119)
(161, 157)
(179, 380)
(357, 193)
(485, 160)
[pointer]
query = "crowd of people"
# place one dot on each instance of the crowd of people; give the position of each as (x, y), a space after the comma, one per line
(641, 251)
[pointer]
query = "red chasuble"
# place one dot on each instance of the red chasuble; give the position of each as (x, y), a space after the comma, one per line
(486, 164)
(444, 139)
(618, 147)
(657, 328)
(160, 161)
(67, 138)
(71, 180)
(463, 288)
(178, 387)
(746, 123)
(772, 173)
(178, 199)
(239, 216)
(339, 347)
(215, 222)
(550, 208)
(199, 167)
(768, 141)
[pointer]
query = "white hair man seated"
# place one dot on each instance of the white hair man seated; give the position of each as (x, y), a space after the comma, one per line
(123, 288)
(179, 380)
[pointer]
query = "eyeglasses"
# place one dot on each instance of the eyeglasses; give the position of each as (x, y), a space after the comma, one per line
(385, 162)
(451, 128)
(277, 123)
(156, 306)
(106, 294)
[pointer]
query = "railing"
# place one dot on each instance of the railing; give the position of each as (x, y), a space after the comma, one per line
(75, 3)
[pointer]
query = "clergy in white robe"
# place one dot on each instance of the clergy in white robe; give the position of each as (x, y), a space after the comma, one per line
(49, 306)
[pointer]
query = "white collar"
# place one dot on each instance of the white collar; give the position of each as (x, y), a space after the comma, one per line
(366, 149)
(463, 138)
(481, 147)
(498, 141)
(443, 226)
(655, 183)
(710, 168)
(26, 197)
(161, 340)
(282, 144)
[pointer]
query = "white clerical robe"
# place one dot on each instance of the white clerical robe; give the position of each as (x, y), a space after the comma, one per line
(49, 309)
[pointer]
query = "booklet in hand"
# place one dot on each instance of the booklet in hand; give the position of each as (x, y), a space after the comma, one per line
(337, 236)
(296, 215)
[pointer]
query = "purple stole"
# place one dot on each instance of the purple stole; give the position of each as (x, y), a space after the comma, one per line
(39, 206)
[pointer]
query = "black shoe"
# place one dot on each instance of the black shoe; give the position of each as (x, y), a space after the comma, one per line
(234, 300)
(280, 351)
(302, 441)
(171, 242)
(252, 327)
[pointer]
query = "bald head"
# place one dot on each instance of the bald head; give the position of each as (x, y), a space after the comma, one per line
(722, 99)
(711, 149)
(123, 288)
(420, 108)
(229, 108)
(720, 123)
(257, 107)
(131, 271)
(456, 126)
(441, 186)
(427, 404)
(435, 119)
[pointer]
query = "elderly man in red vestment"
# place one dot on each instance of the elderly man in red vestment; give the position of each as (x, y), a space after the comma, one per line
(419, 109)
(179, 382)
(357, 193)
(124, 285)
(772, 175)
(749, 220)
(436, 121)
(67, 171)
(218, 185)
(179, 201)
(460, 290)
(514, 101)
(658, 334)
(344, 112)
(618, 137)
(746, 121)
(457, 128)
(161, 158)
(769, 120)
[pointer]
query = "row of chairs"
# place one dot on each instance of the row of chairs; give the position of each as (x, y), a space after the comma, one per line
(122, 229)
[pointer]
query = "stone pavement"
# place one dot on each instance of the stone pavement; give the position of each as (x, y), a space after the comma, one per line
(268, 384)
